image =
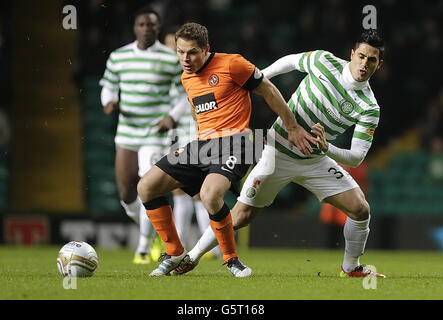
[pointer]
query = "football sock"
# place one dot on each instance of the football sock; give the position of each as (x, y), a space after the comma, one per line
(183, 211)
(356, 234)
(196, 253)
(144, 244)
(147, 231)
(221, 224)
(202, 216)
(216, 251)
(161, 218)
(206, 242)
(133, 209)
(136, 211)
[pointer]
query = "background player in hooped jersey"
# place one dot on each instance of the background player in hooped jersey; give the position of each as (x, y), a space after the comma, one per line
(143, 73)
(218, 88)
(333, 96)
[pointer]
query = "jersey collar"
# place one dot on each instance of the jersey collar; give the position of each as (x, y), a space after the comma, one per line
(206, 63)
(349, 83)
(149, 49)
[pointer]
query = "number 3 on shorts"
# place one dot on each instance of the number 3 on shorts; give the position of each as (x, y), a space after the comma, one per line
(336, 173)
(230, 163)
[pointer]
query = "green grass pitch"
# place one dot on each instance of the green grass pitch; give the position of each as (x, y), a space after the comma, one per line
(279, 274)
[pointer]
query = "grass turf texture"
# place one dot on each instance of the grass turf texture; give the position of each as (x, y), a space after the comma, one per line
(279, 274)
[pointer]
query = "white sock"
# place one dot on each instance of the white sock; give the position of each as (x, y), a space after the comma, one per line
(206, 242)
(203, 222)
(144, 244)
(216, 251)
(356, 234)
(183, 211)
(202, 215)
(133, 209)
(147, 231)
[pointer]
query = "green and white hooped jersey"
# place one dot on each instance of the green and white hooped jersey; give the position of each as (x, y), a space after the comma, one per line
(144, 79)
(186, 129)
(328, 95)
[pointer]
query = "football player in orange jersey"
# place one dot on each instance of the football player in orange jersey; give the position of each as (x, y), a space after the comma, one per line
(218, 87)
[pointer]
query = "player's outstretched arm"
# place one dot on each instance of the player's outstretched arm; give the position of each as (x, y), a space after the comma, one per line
(284, 65)
(296, 134)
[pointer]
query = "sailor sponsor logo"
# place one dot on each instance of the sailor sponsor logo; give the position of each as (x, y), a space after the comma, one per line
(205, 103)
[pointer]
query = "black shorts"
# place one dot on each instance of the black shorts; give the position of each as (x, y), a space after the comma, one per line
(229, 156)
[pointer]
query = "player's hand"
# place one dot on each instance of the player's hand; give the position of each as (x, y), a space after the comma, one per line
(165, 124)
(300, 138)
(320, 141)
(110, 107)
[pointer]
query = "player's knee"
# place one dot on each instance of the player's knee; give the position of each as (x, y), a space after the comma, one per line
(211, 199)
(362, 210)
(144, 191)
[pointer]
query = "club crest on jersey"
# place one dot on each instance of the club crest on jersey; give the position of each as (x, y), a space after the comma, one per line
(251, 192)
(205, 103)
(346, 106)
(370, 132)
(213, 80)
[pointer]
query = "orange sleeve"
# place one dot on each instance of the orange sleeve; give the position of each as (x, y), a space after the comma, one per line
(240, 69)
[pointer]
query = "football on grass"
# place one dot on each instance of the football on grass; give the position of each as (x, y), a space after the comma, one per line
(77, 259)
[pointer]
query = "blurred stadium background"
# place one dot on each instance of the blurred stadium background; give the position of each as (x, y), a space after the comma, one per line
(56, 145)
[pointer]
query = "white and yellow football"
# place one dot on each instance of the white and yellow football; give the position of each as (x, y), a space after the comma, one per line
(77, 259)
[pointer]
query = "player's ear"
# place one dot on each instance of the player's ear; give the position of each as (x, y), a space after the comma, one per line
(352, 53)
(207, 48)
(380, 64)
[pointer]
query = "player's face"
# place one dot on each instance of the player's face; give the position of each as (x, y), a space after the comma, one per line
(191, 56)
(365, 60)
(146, 29)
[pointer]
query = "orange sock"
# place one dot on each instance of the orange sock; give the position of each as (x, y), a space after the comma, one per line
(163, 222)
(224, 232)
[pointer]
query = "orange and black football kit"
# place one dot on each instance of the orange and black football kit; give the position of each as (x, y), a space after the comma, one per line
(219, 94)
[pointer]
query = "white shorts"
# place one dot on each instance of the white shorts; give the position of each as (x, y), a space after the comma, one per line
(322, 176)
(148, 156)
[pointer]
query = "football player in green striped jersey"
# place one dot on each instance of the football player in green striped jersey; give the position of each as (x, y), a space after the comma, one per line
(138, 81)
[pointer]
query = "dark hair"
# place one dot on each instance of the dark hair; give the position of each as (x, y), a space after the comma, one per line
(146, 10)
(193, 31)
(372, 38)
